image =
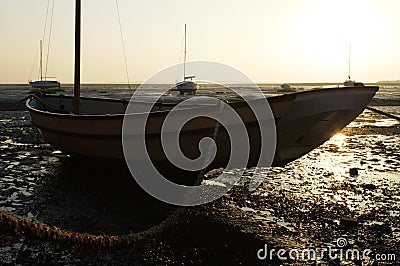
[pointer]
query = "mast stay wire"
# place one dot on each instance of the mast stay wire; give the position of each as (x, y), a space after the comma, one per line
(50, 30)
(43, 37)
(44, 30)
(45, 22)
(180, 57)
(34, 65)
(123, 44)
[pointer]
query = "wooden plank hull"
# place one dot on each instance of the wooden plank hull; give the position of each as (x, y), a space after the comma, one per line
(303, 121)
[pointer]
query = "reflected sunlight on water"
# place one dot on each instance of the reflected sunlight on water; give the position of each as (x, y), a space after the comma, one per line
(339, 139)
(335, 163)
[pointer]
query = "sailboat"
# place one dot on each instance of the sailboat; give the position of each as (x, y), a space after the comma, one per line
(349, 82)
(44, 83)
(89, 127)
(186, 85)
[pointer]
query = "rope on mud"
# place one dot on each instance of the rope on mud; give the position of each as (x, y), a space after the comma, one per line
(12, 224)
(383, 113)
(38, 97)
(5, 106)
(50, 105)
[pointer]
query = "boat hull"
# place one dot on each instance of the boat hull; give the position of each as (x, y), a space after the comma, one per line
(303, 121)
(44, 84)
(189, 87)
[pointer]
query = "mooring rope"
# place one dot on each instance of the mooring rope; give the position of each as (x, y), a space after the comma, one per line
(8, 105)
(10, 223)
(383, 113)
(53, 106)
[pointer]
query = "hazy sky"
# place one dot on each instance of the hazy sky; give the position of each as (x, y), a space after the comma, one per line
(271, 41)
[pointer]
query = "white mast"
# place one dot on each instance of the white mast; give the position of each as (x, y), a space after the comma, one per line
(41, 63)
(184, 58)
(349, 60)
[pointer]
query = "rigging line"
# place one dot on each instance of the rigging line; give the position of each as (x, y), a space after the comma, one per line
(349, 60)
(45, 22)
(34, 64)
(48, 46)
(180, 58)
(43, 37)
(123, 45)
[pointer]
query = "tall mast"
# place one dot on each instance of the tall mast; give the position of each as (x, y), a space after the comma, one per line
(184, 58)
(41, 63)
(77, 77)
(349, 59)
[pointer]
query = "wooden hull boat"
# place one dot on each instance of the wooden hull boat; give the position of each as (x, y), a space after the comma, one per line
(304, 120)
(93, 127)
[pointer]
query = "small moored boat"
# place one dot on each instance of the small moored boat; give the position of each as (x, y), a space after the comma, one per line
(187, 86)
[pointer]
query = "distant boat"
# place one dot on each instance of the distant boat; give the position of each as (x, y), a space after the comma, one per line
(352, 83)
(92, 127)
(186, 85)
(349, 82)
(45, 83)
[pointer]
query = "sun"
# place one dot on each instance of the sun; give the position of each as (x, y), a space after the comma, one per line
(325, 30)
